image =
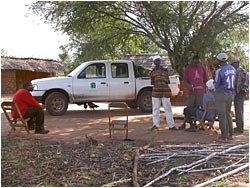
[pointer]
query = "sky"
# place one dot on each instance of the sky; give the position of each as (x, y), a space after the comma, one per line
(27, 36)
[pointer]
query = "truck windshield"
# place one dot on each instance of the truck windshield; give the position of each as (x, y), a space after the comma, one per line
(76, 70)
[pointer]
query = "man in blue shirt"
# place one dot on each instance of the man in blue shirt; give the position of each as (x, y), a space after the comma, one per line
(224, 86)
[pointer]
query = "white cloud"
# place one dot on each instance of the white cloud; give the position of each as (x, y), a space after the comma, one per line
(27, 36)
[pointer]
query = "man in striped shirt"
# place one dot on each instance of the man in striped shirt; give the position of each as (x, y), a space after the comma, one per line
(241, 88)
(161, 94)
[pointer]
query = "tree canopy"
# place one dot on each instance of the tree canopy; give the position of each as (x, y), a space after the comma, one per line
(102, 29)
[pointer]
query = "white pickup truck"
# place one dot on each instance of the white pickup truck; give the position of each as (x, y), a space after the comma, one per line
(98, 81)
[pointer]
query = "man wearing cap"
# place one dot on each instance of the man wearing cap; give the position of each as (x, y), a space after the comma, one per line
(208, 97)
(195, 78)
(241, 87)
(224, 85)
(161, 94)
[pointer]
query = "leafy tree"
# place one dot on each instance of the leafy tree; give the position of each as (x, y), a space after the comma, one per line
(180, 28)
(235, 44)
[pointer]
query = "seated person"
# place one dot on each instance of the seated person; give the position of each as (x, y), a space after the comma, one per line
(29, 108)
(198, 112)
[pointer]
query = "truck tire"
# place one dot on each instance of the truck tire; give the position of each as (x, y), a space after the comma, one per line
(56, 104)
(132, 104)
(145, 101)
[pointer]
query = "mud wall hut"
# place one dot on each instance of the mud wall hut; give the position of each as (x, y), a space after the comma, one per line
(16, 71)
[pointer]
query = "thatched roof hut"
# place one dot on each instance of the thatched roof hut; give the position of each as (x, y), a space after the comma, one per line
(31, 64)
(145, 61)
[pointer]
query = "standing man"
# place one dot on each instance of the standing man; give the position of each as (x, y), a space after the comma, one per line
(224, 85)
(29, 108)
(195, 78)
(161, 94)
(241, 87)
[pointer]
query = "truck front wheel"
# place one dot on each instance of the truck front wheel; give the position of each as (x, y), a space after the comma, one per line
(145, 101)
(56, 104)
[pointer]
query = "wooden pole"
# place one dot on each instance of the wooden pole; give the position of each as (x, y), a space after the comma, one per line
(224, 175)
(135, 176)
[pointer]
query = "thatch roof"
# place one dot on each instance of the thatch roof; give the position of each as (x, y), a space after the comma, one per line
(31, 64)
(145, 61)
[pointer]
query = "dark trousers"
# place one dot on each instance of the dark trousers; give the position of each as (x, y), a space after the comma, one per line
(194, 101)
(188, 113)
(223, 107)
(239, 110)
(36, 116)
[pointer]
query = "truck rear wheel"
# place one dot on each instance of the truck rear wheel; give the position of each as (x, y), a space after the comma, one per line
(56, 104)
(145, 101)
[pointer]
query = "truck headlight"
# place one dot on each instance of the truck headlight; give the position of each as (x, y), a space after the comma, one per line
(35, 87)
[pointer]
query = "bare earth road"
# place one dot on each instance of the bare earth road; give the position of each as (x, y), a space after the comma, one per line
(78, 123)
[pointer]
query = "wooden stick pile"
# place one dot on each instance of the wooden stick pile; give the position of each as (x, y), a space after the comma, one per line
(232, 159)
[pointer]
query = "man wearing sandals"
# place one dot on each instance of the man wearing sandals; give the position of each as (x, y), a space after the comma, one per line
(224, 85)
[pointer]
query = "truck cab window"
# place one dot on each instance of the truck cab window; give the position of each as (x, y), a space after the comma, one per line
(97, 70)
(119, 70)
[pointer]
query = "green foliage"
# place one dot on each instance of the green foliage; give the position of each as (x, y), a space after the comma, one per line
(222, 183)
(109, 30)
(236, 46)
(7, 156)
(19, 164)
(183, 178)
(178, 162)
(4, 142)
(128, 147)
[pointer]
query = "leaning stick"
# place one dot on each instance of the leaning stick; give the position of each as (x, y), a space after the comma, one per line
(223, 175)
(212, 155)
(135, 177)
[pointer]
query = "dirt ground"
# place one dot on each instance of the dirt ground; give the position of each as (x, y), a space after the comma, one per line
(78, 152)
(78, 124)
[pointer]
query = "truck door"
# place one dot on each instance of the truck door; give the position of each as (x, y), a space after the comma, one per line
(122, 84)
(91, 84)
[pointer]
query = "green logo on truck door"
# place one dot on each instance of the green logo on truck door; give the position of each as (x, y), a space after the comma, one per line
(93, 85)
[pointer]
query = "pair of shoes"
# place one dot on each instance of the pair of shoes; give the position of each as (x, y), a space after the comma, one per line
(183, 126)
(230, 138)
(220, 139)
(191, 129)
(173, 129)
(42, 132)
(154, 128)
(236, 130)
